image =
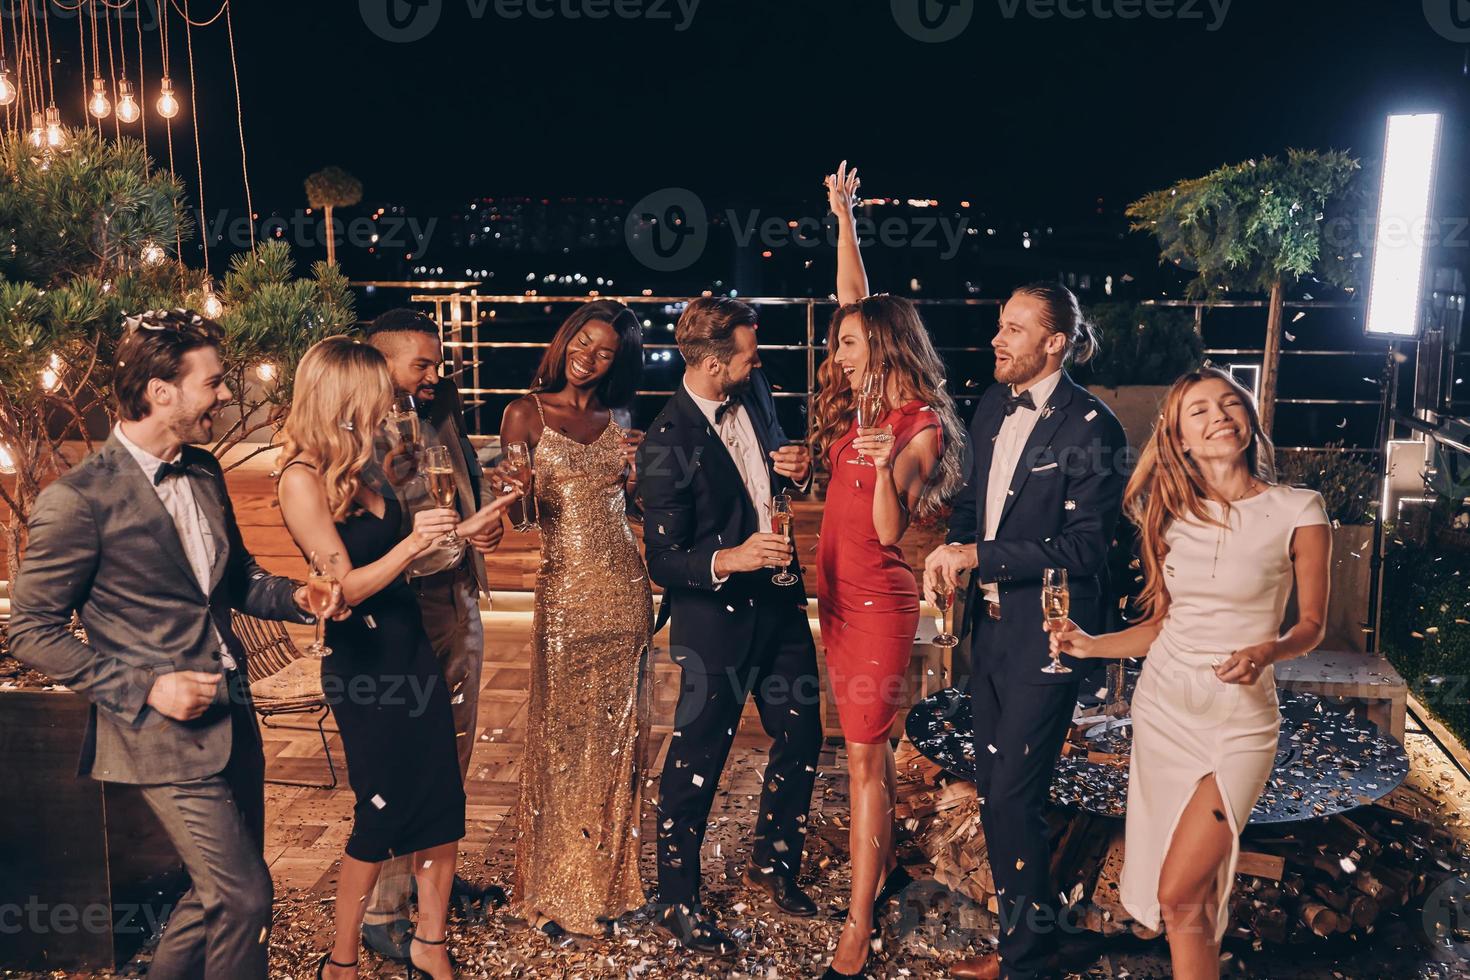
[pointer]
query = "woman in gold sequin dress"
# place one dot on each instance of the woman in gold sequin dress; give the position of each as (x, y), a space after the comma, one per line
(577, 839)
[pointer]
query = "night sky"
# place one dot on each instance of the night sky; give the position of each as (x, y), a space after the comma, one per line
(756, 99)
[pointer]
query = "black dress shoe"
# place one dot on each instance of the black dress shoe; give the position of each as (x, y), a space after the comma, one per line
(783, 891)
(491, 896)
(695, 931)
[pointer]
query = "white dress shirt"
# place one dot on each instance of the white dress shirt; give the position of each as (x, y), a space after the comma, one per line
(1009, 445)
(738, 434)
(176, 493)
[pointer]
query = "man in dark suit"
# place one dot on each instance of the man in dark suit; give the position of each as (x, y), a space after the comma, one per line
(706, 473)
(1050, 464)
(140, 540)
(448, 580)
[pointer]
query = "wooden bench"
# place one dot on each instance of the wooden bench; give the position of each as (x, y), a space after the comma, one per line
(1363, 677)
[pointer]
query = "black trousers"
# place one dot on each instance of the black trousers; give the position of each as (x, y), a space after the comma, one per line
(1019, 730)
(781, 672)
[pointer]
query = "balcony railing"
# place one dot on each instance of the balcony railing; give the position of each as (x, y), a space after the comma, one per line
(474, 326)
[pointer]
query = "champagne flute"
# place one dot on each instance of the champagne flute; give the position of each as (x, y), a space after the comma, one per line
(518, 455)
(870, 406)
(439, 477)
(1055, 606)
(944, 599)
(402, 426)
(783, 522)
(322, 592)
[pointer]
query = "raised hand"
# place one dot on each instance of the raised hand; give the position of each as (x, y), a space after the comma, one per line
(842, 188)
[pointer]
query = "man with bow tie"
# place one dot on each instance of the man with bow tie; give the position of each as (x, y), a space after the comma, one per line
(1049, 466)
(708, 468)
(140, 540)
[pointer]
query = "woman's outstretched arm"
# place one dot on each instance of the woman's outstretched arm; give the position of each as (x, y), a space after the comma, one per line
(852, 278)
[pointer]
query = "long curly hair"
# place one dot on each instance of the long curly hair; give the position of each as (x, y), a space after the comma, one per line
(1167, 485)
(342, 394)
(898, 341)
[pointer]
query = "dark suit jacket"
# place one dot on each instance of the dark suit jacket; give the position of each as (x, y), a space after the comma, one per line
(694, 504)
(1061, 512)
(102, 544)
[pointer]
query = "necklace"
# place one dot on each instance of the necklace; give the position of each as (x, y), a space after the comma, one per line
(1220, 535)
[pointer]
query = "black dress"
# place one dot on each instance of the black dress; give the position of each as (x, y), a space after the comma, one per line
(388, 695)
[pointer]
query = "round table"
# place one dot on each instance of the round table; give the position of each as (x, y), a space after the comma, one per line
(1330, 758)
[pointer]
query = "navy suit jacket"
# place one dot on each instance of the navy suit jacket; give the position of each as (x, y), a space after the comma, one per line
(694, 504)
(1061, 512)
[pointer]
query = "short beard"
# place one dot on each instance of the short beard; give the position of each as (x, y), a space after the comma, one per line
(1022, 368)
(736, 389)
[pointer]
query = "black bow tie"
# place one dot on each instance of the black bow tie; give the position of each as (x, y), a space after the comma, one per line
(1023, 400)
(725, 406)
(166, 470)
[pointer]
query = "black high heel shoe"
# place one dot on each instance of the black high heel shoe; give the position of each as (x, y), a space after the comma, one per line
(415, 972)
(832, 974)
(898, 879)
(326, 960)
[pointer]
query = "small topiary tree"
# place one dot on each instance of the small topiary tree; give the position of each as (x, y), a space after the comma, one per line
(330, 188)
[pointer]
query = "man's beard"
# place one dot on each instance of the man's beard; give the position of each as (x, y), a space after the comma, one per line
(189, 427)
(1021, 368)
(736, 389)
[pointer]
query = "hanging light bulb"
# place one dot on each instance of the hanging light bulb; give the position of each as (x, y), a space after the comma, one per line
(211, 307)
(168, 103)
(153, 253)
(265, 371)
(100, 106)
(38, 130)
(8, 91)
(128, 110)
(7, 461)
(54, 134)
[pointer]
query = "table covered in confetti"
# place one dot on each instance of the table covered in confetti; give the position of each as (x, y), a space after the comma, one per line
(1330, 758)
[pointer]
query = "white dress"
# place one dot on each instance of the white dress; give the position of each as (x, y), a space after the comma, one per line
(1227, 589)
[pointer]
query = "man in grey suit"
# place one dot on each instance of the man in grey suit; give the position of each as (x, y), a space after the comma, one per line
(140, 540)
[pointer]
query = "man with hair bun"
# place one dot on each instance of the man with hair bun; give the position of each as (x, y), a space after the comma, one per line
(1044, 491)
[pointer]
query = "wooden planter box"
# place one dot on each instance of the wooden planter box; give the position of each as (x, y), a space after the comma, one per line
(86, 872)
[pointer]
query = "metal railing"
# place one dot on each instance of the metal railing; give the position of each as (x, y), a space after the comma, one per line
(464, 318)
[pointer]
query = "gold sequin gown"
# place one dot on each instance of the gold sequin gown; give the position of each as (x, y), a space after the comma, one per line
(577, 838)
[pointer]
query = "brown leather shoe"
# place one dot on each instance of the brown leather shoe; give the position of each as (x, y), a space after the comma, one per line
(985, 967)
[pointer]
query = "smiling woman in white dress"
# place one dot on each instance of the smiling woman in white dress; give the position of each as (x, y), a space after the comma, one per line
(1222, 547)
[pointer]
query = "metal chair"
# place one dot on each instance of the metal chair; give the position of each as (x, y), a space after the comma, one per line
(270, 651)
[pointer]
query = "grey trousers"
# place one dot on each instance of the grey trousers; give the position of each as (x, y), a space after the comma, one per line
(221, 926)
(450, 603)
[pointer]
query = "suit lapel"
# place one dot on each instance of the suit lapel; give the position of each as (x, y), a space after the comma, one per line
(137, 490)
(1053, 414)
(716, 453)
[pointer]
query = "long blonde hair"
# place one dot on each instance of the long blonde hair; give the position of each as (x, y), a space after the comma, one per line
(899, 344)
(1167, 485)
(342, 394)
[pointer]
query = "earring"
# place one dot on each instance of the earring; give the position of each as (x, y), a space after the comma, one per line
(348, 425)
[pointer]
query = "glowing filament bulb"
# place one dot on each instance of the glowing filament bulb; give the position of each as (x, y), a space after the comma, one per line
(212, 307)
(266, 371)
(54, 135)
(128, 110)
(8, 91)
(38, 130)
(99, 105)
(7, 461)
(153, 253)
(168, 103)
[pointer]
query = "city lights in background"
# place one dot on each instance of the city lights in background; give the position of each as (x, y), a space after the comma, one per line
(1409, 160)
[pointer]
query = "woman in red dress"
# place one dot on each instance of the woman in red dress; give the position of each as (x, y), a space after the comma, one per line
(868, 598)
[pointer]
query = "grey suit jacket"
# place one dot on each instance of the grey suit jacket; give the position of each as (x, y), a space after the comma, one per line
(102, 544)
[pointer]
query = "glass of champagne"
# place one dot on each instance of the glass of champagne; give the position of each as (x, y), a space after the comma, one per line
(1055, 606)
(402, 425)
(518, 456)
(869, 408)
(439, 477)
(322, 592)
(944, 599)
(783, 522)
